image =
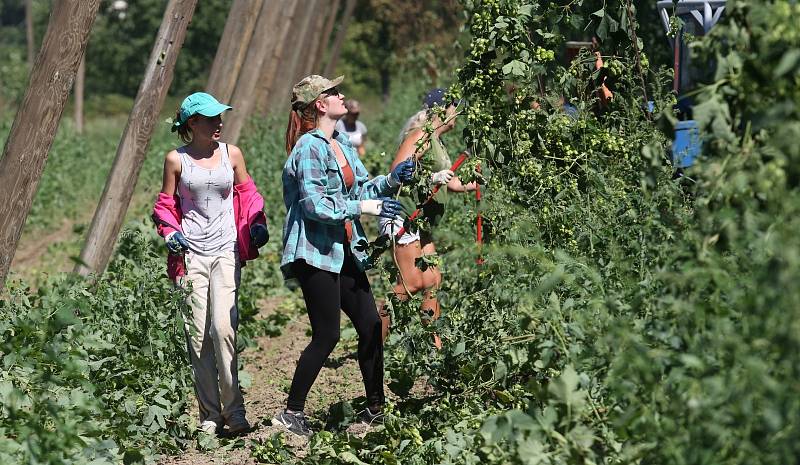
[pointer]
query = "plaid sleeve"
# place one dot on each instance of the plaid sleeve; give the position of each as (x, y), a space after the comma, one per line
(316, 202)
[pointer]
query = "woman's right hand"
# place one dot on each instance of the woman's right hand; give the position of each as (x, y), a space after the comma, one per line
(176, 242)
(384, 207)
(441, 177)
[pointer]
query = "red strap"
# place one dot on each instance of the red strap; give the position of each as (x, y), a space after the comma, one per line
(460, 161)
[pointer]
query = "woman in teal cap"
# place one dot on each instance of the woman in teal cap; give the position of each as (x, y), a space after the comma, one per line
(326, 190)
(211, 216)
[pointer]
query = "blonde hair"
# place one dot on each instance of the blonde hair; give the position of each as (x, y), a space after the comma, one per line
(417, 121)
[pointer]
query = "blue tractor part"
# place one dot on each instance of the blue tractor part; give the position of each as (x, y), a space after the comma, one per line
(686, 144)
(684, 17)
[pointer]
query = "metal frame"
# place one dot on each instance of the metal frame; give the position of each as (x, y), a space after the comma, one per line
(706, 12)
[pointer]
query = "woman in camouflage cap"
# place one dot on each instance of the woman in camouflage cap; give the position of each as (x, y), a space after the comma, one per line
(326, 189)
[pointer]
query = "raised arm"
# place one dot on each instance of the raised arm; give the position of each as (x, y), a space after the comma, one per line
(409, 147)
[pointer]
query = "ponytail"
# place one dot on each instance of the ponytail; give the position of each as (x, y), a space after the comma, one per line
(301, 121)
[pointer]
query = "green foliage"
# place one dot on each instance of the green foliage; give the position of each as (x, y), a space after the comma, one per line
(620, 316)
(386, 39)
(271, 450)
(120, 46)
(95, 372)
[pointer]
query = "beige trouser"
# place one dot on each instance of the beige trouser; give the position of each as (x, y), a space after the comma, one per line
(211, 332)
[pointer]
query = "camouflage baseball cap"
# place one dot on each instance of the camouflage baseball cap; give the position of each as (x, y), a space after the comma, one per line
(305, 91)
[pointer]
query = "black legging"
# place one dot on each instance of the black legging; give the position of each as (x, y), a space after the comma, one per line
(325, 293)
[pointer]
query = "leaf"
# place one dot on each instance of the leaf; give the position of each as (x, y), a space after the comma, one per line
(459, 349)
(525, 10)
(787, 63)
(514, 68)
(500, 370)
(349, 457)
(245, 379)
(565, 387)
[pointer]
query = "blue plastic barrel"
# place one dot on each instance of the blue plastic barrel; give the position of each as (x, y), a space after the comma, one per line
(686, 145)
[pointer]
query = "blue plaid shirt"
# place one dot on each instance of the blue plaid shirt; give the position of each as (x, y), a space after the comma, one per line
(318, 203)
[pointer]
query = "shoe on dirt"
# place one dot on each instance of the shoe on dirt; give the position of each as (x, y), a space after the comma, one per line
(238, 424)
(209, 427)
(371, 418)
(295, 422)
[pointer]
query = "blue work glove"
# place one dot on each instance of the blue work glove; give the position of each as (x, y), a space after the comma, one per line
(403, 172)
(385, 207)
(176, 242)
(259, 235)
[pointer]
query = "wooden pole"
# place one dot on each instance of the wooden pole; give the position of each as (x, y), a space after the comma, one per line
(287, 74)
(80, 78)
(261, 45)
(269, 69)
(330, 67)
(232, 48)
(29, 33)
(132, 148)
(34, 128)
(326, 36)
(315, 40)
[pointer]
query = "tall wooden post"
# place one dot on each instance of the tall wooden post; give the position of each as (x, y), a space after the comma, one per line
(77, 94)
(261, 45)
(269, 69)
(330, 67)
(288, 72)
(326, 41)
(315, 40)
(34, 128)
(132, 148)
(233, 45)
(29, 33)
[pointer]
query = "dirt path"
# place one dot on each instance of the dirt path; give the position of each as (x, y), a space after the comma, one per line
(271, 365)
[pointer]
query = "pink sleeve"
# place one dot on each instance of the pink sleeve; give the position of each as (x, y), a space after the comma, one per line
(167, 214)
(248, 209)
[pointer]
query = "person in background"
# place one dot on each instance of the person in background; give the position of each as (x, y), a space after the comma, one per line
(211, 217)
(432, 155)
(326, 190)
(355, 130)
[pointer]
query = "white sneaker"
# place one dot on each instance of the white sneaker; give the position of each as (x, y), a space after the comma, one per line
(238, 424)
(209, 427)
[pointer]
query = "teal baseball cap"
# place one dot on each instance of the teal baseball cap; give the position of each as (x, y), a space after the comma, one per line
(199, 103)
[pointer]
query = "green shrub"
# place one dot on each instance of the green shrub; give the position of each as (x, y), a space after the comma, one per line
(95, 371)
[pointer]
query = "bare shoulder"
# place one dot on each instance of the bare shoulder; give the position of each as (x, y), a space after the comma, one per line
(236, 155)
(235, 152)
(172, 159)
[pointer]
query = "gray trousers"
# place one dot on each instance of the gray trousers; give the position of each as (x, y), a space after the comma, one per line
(211, 325)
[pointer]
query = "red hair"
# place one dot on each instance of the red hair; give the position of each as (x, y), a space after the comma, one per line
(301, 121)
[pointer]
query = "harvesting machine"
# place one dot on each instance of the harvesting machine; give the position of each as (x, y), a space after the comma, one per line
(683, 18)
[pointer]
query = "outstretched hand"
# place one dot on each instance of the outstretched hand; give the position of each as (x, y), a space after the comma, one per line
(384, 206)
(390, 208)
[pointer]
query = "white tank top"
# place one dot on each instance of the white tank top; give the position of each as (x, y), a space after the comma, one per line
(207, 204)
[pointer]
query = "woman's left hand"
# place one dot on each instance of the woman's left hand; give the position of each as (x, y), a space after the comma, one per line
(259, 235)
(404, 171)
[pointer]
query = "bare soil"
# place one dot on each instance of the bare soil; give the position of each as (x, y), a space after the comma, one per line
(272, 365)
